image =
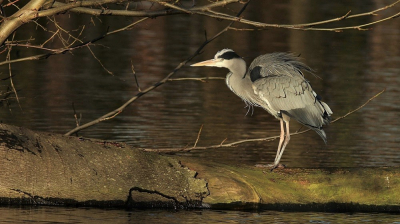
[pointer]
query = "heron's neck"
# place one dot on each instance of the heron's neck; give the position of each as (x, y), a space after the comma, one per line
(237, 81)
(237, 67)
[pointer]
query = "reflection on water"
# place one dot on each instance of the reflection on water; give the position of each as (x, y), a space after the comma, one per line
(353, 66)
(97, 216)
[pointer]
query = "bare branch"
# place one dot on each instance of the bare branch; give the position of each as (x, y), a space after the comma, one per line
(98, 60)
(24, 15)
(136, 80)
(117, 111)
(375, 11)
(51, 38)
(206, 10)
(77, 121)
(10, 3)
(174, 7)
(63, 50)
(232, 144)
(61, 7)
(198, 136)
(358, 108)
(31, 11)
(9, 70)
(305, 26)
(201, 79)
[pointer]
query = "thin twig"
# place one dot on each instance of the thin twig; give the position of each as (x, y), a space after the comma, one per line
(83, 7)
(98, 60)
(198, 136)
(8, 58)
(305, 26)
(223, 141)
(374, 12)
(232, 144)
(64, 50)
(52, 37)
(136, 80)
(77, 121)
(174, 7)
(202, 79)
(201, 10)
(32, 46)
(358, 108)
(206, 10)
(117, 111)
(11, 3)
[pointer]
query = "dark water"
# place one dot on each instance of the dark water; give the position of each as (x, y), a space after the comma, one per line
(353, 66)
(83, 215)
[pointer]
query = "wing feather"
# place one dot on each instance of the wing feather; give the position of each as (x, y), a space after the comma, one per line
(294, 96)
(280, 87)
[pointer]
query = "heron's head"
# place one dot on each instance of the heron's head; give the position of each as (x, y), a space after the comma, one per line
(225, 58)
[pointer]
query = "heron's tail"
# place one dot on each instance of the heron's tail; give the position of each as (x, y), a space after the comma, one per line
(321, 133)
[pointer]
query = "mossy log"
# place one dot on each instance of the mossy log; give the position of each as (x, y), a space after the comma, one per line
(51, 169)
(333, 189)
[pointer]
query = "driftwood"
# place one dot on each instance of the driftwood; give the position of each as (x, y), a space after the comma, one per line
(51, 169)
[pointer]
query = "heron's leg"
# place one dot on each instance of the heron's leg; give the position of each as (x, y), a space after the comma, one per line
(281, 138)
(286, 119)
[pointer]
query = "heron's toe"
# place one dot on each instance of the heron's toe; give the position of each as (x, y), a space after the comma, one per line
(271, 166)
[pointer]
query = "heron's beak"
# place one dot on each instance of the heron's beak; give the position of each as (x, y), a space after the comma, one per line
(211, 63)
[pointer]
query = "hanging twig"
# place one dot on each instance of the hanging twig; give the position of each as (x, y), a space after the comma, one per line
(98, 60)
(8, 58)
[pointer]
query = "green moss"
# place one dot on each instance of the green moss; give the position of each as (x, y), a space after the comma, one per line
(366, 186)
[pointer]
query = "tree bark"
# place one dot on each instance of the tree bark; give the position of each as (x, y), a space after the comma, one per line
(43, 168)
(24, 15)
(51, 169)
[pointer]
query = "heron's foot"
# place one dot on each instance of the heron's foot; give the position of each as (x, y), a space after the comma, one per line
(271, 166)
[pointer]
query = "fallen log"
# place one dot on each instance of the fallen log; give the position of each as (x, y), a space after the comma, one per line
(51, 169)
(331, 189)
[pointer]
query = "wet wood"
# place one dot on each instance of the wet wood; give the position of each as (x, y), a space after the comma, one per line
(51, 169)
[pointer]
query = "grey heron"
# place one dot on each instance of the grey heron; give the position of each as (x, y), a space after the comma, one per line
(276, 83)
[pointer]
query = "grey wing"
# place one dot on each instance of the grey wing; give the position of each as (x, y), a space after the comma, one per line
(294, 97)
(280, 63)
